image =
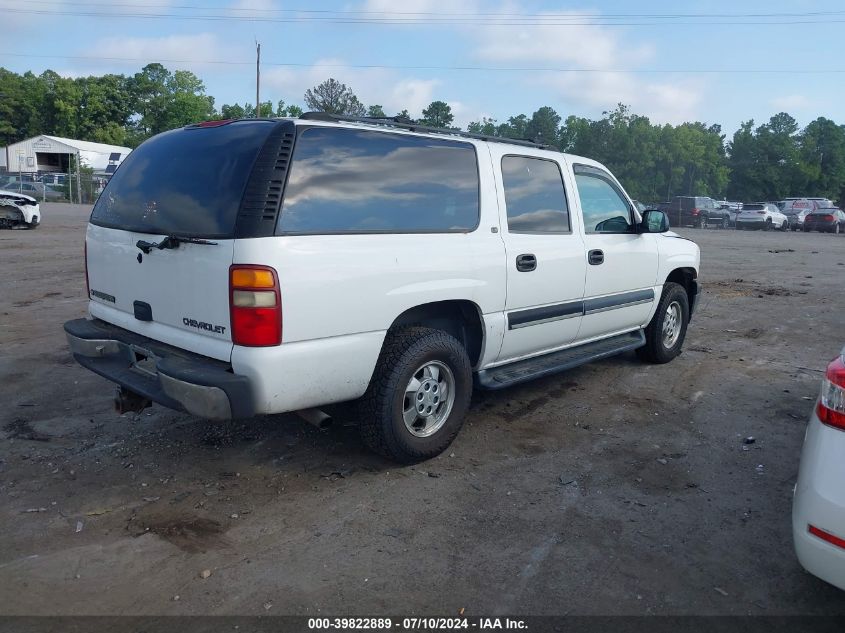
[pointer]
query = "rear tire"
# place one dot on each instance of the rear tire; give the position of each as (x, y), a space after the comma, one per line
(667, 330)
(784, 226)
(725, 223)
(411, 360)
(701, 223)
(768, 226)
(836, 229)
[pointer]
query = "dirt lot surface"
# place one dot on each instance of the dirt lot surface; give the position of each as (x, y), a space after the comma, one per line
(617, 488)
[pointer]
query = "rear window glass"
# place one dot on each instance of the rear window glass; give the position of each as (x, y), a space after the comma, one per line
(186, 182)
(534, 195)
(752, 207)
(358, 181)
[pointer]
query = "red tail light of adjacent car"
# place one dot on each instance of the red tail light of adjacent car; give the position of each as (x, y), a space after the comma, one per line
(831, 407)
(255, 306)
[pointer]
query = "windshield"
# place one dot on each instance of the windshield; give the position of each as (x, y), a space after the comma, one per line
(186, 182)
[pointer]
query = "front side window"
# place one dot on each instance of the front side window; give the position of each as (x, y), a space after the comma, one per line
(534, 196)
(604, 208)
(345, 180)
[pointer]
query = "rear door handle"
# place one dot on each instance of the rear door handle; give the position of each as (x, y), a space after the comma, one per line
(595, 257)
(526, 263)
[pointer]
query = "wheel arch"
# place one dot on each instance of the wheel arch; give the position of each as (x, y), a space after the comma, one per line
(688, 278)
(460, 318)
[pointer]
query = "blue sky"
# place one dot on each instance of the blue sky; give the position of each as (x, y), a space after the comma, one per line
(534, 55)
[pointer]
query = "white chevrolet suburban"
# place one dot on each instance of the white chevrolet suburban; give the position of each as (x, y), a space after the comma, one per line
(248, 267)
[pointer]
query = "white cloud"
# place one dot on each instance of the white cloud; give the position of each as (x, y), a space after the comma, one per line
(662, 102)
(602, 52)
(193, 50)
(578, 45)
(789, 103)
(250, 8)
(418, 7)
(371, 85)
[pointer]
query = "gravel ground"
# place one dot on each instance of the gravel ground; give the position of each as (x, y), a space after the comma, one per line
(616, 488)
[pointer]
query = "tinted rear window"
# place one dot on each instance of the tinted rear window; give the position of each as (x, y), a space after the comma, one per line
(185, 182)
(534, 195)
(752, 207)
(358, 181)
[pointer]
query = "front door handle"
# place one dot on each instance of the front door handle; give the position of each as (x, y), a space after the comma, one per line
(595, 257)
(526, 263)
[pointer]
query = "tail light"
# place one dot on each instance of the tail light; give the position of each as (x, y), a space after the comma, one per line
(826, 536)
(831, 407)
(255, 306)
(761, 213)
(828, 218)
(87, 285)
(695, 211)
(215, 123)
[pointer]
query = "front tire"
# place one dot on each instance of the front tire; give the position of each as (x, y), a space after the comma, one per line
(702, 223)
(418, 396)
(667, 330)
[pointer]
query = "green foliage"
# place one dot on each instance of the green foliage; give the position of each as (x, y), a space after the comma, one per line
(376, 111)
(485, 126)
(437, 114)
(655, 162)
(112, 109)
(334, 97)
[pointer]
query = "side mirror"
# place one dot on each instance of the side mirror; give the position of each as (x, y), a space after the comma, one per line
(654, 221)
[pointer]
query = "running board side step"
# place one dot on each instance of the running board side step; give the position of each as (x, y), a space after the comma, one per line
(547, 364)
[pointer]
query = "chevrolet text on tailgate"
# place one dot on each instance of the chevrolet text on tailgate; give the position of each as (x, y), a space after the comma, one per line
(262, 266)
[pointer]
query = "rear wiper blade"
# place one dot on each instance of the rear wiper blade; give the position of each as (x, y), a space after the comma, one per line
(171, 241)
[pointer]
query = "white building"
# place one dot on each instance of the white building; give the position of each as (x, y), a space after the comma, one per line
(45, 154)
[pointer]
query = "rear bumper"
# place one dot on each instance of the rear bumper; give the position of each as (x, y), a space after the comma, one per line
(820, 501)
(819, 226)
(167, 375)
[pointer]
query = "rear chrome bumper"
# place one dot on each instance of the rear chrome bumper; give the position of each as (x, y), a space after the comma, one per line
(167, 375)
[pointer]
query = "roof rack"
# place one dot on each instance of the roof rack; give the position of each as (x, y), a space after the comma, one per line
(405, 123)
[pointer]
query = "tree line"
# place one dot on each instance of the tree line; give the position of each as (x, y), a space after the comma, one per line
(769, 161)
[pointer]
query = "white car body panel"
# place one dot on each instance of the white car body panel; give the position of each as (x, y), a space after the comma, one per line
(22, 203)
(820, 501)
(760, 217)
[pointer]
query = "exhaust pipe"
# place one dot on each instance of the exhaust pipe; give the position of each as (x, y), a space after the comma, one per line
(315, 417)
(126, 401)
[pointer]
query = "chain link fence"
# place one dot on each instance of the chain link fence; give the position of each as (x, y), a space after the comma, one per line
(82, 188)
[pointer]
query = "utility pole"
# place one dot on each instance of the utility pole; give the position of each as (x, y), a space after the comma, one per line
(257, 78)
(78, 176)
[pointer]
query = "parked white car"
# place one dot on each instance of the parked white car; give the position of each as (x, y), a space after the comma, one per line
(257, 267)
(761, 215)
(818, 509)
(18, 210)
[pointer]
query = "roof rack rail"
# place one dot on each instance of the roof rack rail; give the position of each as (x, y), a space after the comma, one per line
(405, 123)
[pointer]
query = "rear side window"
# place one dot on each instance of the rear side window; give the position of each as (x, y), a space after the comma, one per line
(186, 182)
(345, 180)
(534, 195)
